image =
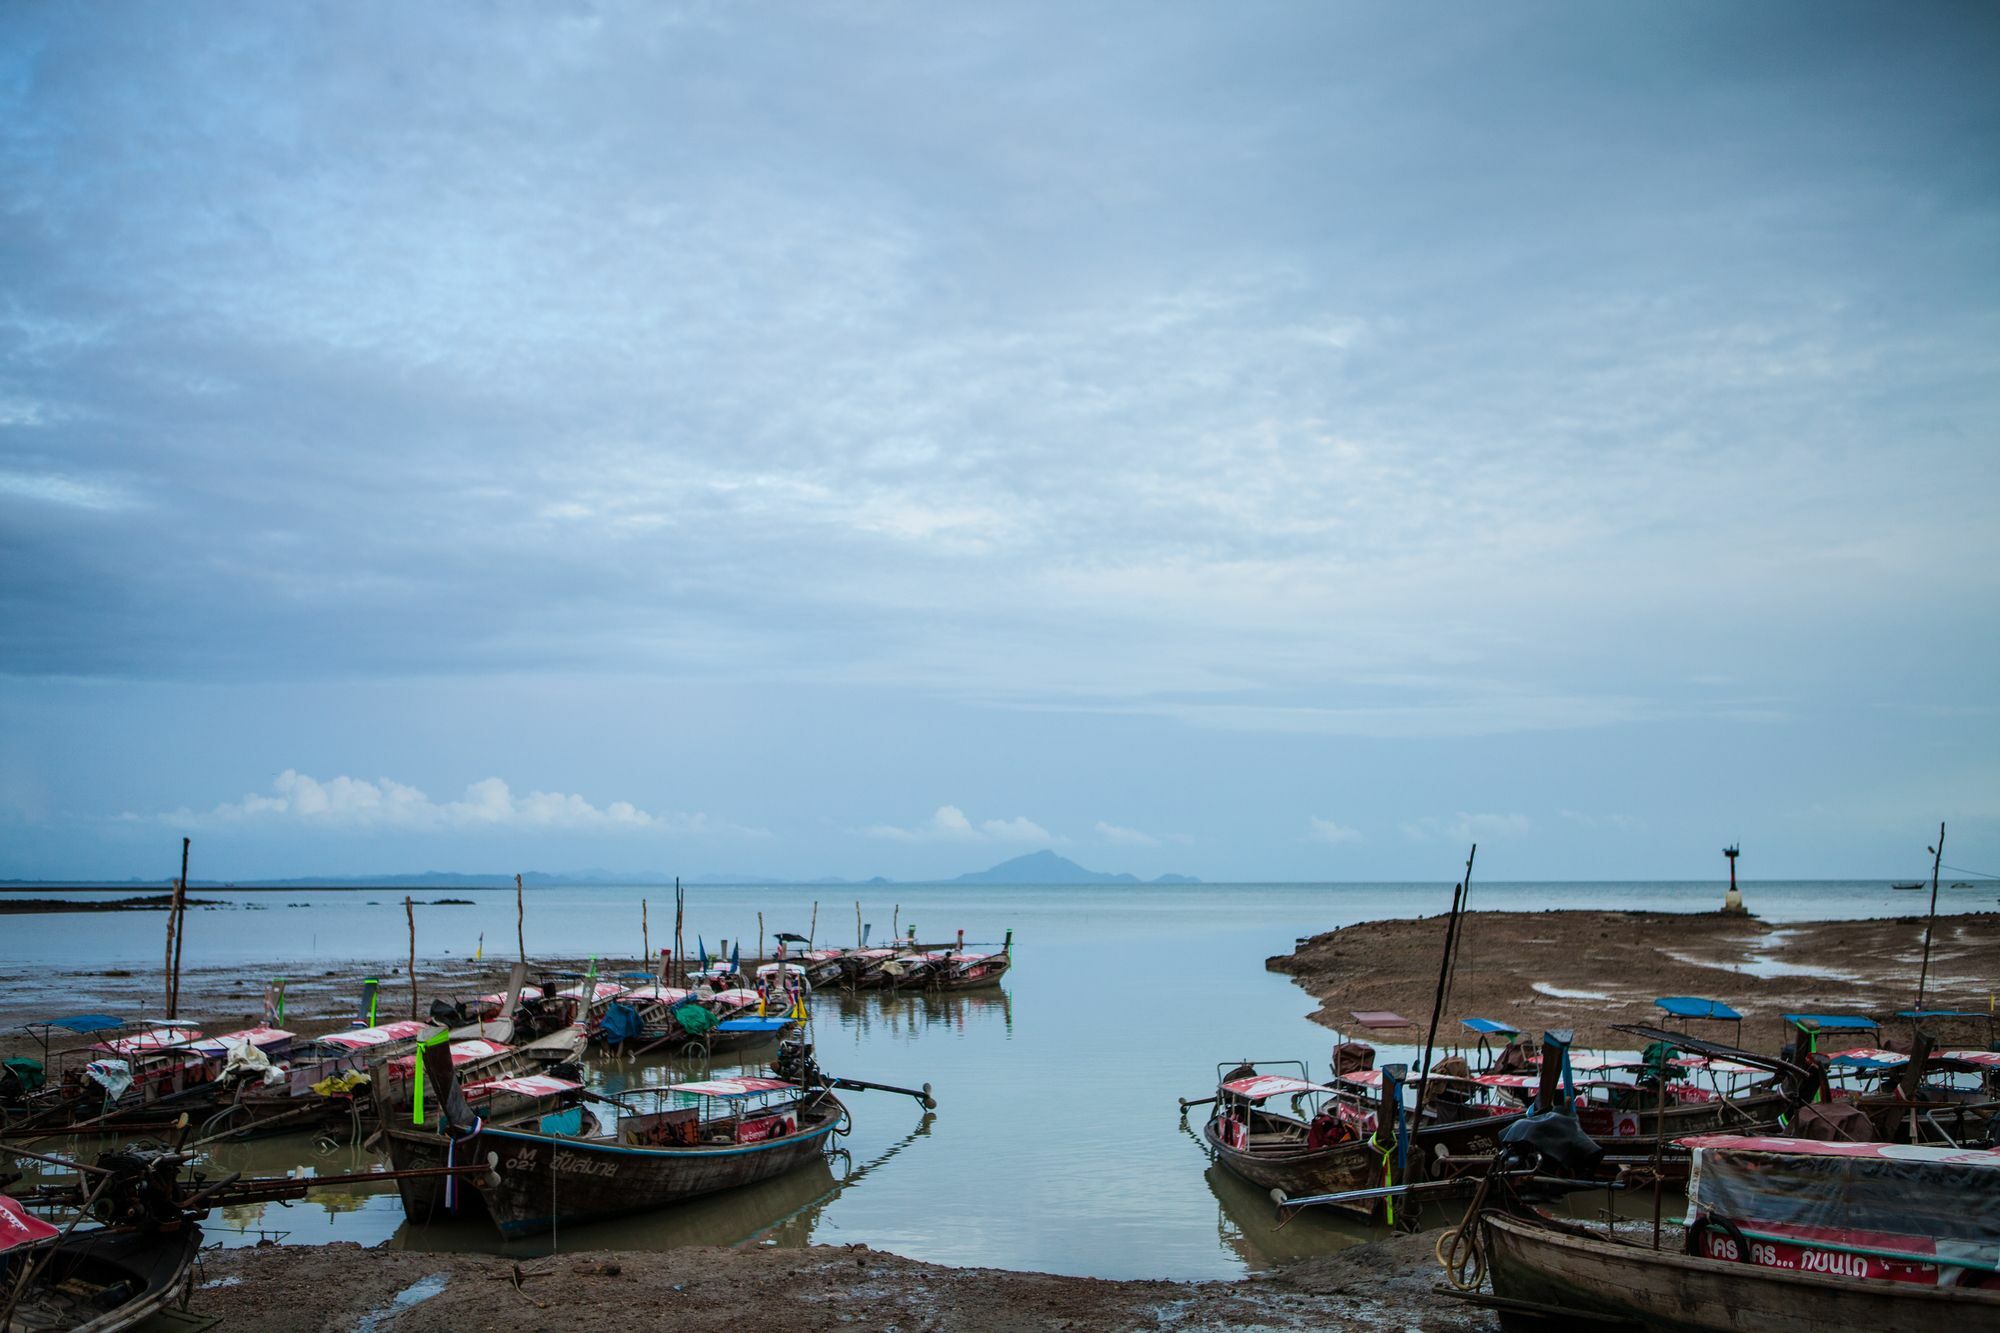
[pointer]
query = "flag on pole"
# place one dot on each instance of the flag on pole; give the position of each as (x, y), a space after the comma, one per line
(736, 958)
(704, 952)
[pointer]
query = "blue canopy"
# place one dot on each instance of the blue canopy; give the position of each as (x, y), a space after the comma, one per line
(83, 1024)
(1693, 1006)
(1834, 1022)
(1489, 1025)
(753, 1024)
(1866, 1060)
(1941, 1013)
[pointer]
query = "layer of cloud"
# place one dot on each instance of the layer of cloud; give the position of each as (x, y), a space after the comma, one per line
(1327, 830)
(1463, 827)
(950, 824)
(298, 800)
(1124, 837)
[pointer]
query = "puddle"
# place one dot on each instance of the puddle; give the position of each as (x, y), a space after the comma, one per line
(1562, 993)
(415, 1294)
(1764, 964)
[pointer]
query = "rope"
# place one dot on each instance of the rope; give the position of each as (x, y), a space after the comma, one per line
(1462, 1250)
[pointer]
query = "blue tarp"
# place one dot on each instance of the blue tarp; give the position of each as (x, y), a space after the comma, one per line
(87, 1023)
(1941, 1013)
(1693, 1006)
(621, 1022)
(1833, 1022)
(1488, 1025)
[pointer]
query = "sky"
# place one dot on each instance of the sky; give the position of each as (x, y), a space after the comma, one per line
(1264, 441)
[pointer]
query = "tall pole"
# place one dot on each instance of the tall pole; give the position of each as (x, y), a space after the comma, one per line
(857, 923)
(645, 932)
(680, 939)
(410, 910)
(1937, 859)
(520, 921)
(176, 934)
(814, 927)
(1459, 893)
(760, 938)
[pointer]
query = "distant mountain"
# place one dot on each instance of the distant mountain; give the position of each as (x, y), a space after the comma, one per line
(1045, 867)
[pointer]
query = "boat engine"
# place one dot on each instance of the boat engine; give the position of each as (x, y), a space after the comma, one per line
(795, 1064)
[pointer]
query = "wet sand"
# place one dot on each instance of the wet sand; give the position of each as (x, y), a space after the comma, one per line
(1588, 970)
(327, 1287)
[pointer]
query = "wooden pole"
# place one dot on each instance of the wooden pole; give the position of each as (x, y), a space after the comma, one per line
(167, 963)
(760, 943)
(857, 923)
(645, 932)
(1459, 893)
(410, 910)
(680, 941)
(896, 923)
(520, 921)
(814, 927)
(180, 926)
(1659, 1142)
(1923, 977)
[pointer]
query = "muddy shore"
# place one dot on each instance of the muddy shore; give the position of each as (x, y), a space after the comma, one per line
(297, 1288)
(1589, 970)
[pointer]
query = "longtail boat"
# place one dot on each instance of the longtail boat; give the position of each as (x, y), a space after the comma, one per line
(664, 1146)
(95, 1280)
(1783, 1236)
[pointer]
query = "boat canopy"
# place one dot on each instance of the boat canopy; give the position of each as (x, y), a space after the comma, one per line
(1942, 1013)
(1868, 1057)
(83, 1024)
(158, 1038)
(1694, 1006)
(1363, 1078)
(362, 1039)
(733, 1087)
(667, 994)
(1714, 1066)
(772, 969)
(739, 997)
(1987, 1059)
(1938, 1205)
(260, 1037)
(20, 1227)
(1489, 1026)
(1507, 1080)
(533, 1085)
(1261, 1086)
(753, 1024)
(1833, 1022)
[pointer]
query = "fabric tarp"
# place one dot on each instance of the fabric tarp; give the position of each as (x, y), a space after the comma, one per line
(1934, 1204)
(1694, 1006)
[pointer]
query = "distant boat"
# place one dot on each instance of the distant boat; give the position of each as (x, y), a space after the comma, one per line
(1907, 887)
(1965, 884)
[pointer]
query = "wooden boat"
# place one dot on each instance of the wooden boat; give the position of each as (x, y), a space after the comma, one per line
(1330, 1145)
(666, 1145)
(1787, 1235)
(162, 1069)
(971, 971)
(94, 1280)
(1907, 888)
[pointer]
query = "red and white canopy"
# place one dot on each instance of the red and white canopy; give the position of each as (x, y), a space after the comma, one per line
(500, 996)
(1987, 1059)
(1986, 1158)
(602, 990)
(1714, 1066)
(530, 1085)
(362, 1039)
(1509, 1080)
(732, 1087)
(1260, 1086)
(738, 998)
(655, 991)
(260, 1037)
(152, 1039)
(1364, 1078)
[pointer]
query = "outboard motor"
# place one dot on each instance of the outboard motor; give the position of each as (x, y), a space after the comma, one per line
(1554, 1137)
(795, 1063)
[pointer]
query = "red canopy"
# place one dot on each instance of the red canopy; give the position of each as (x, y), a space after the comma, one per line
(18, 1228)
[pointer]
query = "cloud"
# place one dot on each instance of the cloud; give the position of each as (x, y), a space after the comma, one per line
(949, 824)
(1463, 827)
(1622, 823)
(1326, 830)
(300, 800)
(1129, 837)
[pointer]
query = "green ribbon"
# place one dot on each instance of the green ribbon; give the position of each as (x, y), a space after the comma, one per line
(417, 1080)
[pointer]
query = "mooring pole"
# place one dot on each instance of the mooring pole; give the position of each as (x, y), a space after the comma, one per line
(645, 933)
(410, 910)
(520, 921)
(1459, 892)
(813, 929)
(1937, 860)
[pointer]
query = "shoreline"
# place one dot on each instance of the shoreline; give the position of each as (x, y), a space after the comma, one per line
(820, 1288)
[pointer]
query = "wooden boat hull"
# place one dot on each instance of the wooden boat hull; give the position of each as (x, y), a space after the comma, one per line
(1550, 1266)
(150, 1271)
(548, 1180)
(977, 978)
(1346, 1166)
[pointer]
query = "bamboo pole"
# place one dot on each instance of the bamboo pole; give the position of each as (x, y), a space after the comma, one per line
(167, 963)
(645, 933)
(857, 923)
(410, 910)
(760, 943)
(896, 923)
(180, 929)
(680, 940)
(520, 921)
(814, 927)
(1923, 977)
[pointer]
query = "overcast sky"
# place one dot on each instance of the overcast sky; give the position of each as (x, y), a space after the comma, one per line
(1258, 441)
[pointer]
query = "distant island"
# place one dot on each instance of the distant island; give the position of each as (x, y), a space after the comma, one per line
(1046, 867)
(1038, 868)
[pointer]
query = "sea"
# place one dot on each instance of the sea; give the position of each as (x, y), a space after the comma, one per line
(1058, 1143)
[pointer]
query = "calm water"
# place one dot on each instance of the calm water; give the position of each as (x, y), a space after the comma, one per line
(1057, 1143)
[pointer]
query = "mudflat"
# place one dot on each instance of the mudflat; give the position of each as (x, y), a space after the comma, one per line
(1589, 970)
